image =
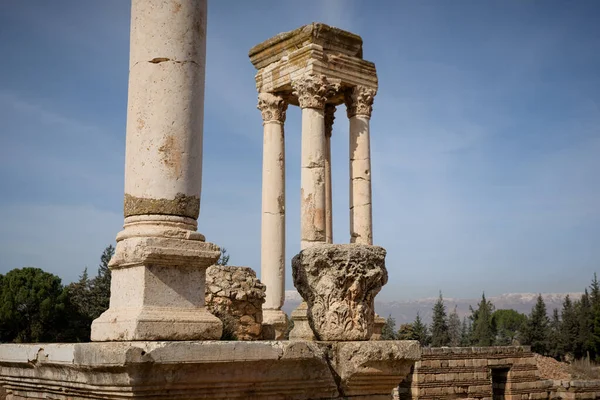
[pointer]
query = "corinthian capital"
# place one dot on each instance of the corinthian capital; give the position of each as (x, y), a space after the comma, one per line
(313, 90)
(272, 107)
(359, 101)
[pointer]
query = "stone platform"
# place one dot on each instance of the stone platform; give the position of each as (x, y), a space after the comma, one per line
(205, 370)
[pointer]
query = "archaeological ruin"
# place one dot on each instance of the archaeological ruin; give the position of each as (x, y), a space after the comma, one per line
(316, 67)
(160, 338)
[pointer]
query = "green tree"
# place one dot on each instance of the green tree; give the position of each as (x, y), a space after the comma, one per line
(439, 324)
(509, 326)
(569, 329)
(224, 257)
(454, 328)
(420, 331)
(585, 339)
(32, 305)
(483, 325)
(554, 348)
(388, 332)
(100, 285)
(595, 310)
(405, 332)
(465, 333)
(538, 328)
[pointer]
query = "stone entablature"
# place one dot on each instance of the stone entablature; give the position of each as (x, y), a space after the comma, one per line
(314, 49)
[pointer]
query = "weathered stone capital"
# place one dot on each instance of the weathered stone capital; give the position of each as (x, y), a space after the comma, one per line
(272, 107)
(359, 101)
(329, 117)
(313, 90)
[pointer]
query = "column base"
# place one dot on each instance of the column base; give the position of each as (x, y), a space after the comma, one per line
(157, 291)
(274, 325)
(158, 323)
(302, 329)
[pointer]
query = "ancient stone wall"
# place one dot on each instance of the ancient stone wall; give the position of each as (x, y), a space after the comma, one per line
(575, 390)
(236, 296)
(475, 373)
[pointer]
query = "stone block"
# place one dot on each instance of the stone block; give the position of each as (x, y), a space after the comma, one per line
(339, 284)
(209, 369)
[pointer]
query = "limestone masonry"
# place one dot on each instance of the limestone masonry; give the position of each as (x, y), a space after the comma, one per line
(316, 67)
(235, 292)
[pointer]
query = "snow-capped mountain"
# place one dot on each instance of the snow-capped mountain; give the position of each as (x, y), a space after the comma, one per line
(406, 311)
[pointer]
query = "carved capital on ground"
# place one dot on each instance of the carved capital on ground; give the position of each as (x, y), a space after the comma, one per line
(359, 101)
(272, 107)
(339, 284)
(329, 117)
(313, 90)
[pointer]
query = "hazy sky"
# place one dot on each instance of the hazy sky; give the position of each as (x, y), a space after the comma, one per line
(485, 137)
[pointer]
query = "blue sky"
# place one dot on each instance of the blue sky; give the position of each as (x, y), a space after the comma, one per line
(485, 138)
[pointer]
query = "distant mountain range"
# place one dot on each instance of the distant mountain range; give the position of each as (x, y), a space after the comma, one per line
(406, 311)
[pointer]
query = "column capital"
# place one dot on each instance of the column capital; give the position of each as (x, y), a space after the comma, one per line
(313, 90)
(329, 117)
(272, 107)
(359, 101)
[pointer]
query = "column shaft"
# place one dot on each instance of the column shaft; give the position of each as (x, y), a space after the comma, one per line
(361, 214)
(312, 92)
(159, 265)
(329, 117)
(272, 248)
(359, 102)
(312, 177)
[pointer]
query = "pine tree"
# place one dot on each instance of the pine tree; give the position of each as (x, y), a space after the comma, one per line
(100, 291)
(569, 329)
(483, 327)
(554, 348)
(420, 332)
(538, 328)
(405, 332)
(224, 257)
(595, 308)
(388, 332)
(465, 333)
(585, 322)
(509, 325)
(454, 329)
(439, 325)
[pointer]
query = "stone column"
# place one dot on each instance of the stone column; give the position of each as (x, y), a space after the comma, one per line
(312, 92)
(359, 102)
(272, 252)
(158, 270)
(329, 117)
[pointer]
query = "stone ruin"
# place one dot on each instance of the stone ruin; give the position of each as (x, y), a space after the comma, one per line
(236, 296)
(158, 339)
(318, 67)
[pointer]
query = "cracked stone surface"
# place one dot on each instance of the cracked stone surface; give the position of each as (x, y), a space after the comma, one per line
(239, 294)
(339, 283)
(205, 369)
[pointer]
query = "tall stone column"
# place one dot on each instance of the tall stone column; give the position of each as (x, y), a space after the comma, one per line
(158, 270)
(329, 117)
(312, 92)
(272, 252)
(359, 103)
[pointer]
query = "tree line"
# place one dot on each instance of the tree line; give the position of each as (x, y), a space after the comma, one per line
(36, 307)
(571, 332)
